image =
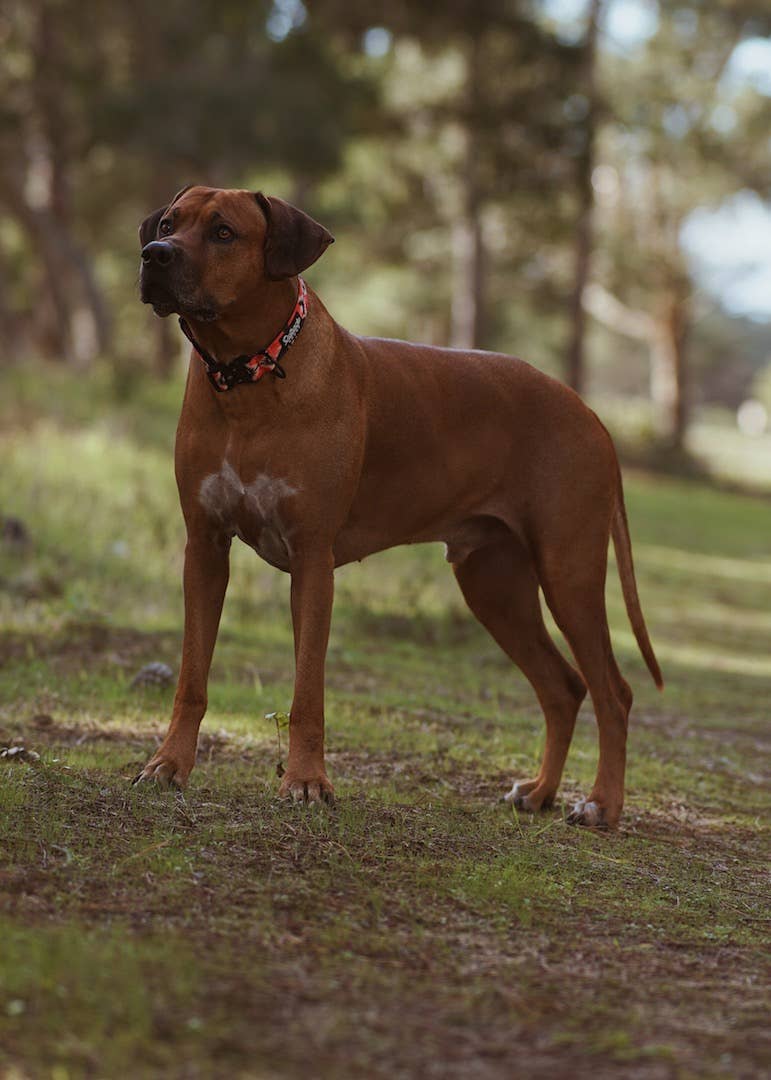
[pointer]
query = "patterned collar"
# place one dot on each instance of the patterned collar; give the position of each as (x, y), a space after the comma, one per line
(249, 369)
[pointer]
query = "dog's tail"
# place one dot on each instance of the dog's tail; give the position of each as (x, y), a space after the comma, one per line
(623, 545)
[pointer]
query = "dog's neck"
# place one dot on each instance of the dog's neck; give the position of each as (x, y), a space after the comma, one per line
(252, 327)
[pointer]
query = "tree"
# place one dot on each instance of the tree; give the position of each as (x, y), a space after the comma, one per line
(107, 110)
(666, 150)
(41, 139)
(474, 91)
(585, 161)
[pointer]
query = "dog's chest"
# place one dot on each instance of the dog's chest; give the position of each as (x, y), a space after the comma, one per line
(251, 511)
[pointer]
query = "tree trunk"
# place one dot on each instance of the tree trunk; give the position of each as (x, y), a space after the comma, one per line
(467, 281)
(467, 316)
(669, 390)
(575, 359)
(91, 319)
(10, 327)
(88, 318)
(665, 334)
(56, 339)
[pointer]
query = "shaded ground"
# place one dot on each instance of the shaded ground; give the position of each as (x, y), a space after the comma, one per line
(424, 933)
(422, 928)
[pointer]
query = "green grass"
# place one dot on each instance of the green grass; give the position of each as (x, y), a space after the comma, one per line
(421, 928)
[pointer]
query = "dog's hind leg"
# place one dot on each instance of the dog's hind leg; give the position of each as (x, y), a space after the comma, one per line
(500, 586)
(574, 587)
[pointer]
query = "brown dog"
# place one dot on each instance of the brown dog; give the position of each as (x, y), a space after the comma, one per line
(366, 444)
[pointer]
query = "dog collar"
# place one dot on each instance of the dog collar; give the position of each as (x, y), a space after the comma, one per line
(251, 368)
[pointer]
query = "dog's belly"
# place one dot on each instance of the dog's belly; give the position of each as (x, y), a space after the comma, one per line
(250, 511)
(460, 536)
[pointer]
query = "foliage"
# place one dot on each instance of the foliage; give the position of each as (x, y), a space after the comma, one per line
(446, 147)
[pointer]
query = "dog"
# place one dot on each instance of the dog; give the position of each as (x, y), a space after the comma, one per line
(317, 447)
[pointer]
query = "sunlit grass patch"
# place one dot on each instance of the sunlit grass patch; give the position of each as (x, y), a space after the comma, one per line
(665, 891)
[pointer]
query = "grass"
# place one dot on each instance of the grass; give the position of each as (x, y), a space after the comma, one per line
(421, 928)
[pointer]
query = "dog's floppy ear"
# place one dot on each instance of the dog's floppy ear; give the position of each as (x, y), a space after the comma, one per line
(149, 227)
(293, 240)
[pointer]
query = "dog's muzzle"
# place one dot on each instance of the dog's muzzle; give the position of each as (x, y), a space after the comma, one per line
(155, 277)
(165, 285)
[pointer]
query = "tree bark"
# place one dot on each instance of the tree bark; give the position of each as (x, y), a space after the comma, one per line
(10, 327)
(669, 389)
(666, 336)
(467, 315)
(575, 358)
(56, 339)
(89, 322)
(467, 281)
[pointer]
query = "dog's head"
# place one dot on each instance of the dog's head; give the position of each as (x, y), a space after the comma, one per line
(210, 250)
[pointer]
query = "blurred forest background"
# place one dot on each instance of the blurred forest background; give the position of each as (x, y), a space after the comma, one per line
(543, 178)
(582, 183)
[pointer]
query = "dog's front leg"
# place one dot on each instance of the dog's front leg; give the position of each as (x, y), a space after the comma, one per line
(205, 581)
(312, 594)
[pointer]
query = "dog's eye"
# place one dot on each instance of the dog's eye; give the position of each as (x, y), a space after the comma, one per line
(165, 227)
(224, 232)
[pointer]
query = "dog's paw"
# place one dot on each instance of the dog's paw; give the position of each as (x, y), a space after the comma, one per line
(526, 795)
(592, 814)
(317, 789)
(165, 770)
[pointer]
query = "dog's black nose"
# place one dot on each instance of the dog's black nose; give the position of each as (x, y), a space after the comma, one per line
(158, 251)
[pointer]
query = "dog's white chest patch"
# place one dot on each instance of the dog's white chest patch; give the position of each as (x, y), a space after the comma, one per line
(251, 511)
